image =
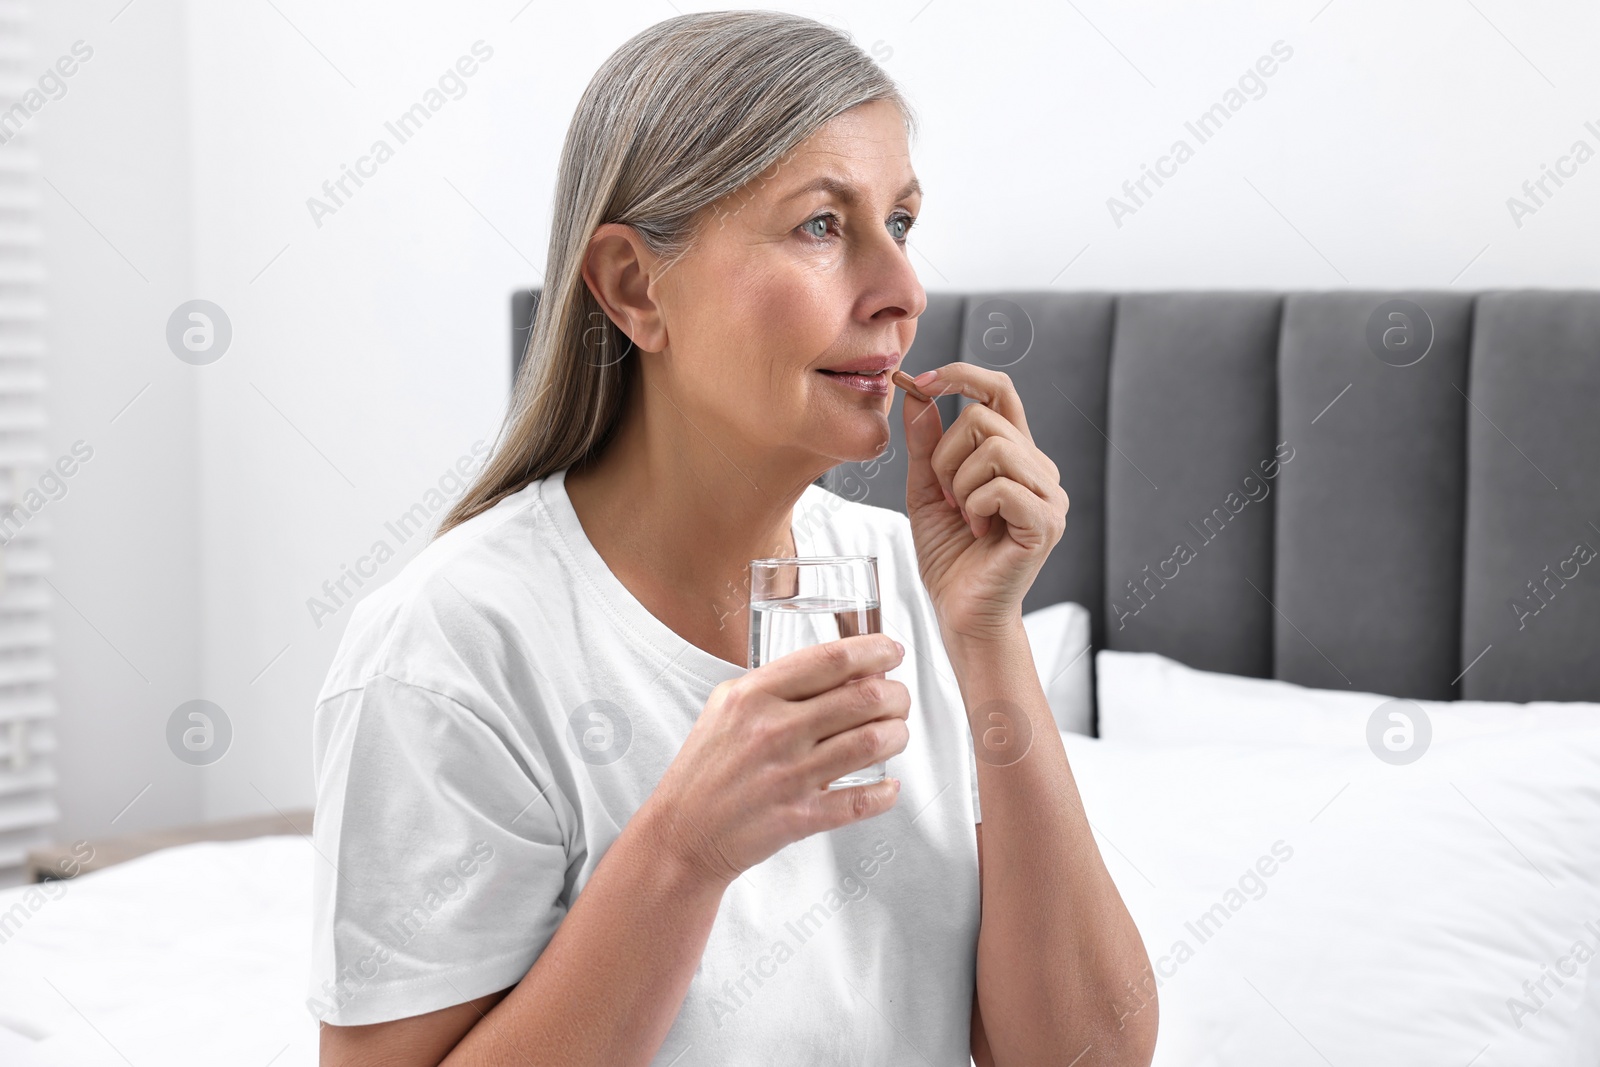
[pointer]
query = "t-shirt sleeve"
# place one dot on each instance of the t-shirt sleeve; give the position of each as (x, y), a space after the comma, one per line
(441, 864)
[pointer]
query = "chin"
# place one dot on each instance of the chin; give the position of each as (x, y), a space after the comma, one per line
(856, 439)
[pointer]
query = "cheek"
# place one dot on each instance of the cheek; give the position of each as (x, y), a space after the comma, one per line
(761, 342)
(762, 321)
(718, 333)
(798, 321)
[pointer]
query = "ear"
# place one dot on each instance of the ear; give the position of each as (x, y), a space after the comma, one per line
(618, 269)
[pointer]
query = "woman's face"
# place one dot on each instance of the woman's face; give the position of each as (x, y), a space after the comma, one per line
(806, 268)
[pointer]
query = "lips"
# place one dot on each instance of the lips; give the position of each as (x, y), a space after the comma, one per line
(871, 384)
(868, 365)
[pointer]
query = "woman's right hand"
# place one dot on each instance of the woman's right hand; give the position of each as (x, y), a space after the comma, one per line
(752, 775)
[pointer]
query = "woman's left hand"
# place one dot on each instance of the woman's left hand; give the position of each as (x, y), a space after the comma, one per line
(978, 567)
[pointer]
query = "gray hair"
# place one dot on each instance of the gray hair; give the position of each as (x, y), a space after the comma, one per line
(679, 119)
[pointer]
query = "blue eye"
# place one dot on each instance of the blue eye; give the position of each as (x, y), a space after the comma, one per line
(906, 220)
(824, 218)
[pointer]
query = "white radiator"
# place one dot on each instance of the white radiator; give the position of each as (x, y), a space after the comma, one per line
(27, 776)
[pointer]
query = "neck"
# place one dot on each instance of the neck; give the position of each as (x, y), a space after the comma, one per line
(678, 514)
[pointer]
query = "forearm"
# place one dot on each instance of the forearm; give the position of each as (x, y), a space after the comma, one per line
(1057, 949)
(610, 983)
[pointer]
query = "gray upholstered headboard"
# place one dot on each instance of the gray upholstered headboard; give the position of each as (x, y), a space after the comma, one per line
(1388, 492)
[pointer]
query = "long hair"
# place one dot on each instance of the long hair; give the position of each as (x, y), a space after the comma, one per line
(679, 118)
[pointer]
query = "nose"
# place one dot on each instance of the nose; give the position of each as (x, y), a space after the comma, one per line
(893, 290)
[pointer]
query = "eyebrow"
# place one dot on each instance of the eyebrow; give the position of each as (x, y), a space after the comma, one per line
(844, 190)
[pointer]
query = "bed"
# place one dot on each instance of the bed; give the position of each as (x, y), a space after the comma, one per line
(191, 954)
(1301, 903)
(1385, 500)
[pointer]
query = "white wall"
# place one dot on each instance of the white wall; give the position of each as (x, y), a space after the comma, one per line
(117, 237)
(371, 351)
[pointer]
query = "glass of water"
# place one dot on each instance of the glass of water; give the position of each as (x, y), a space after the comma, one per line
(795, 602)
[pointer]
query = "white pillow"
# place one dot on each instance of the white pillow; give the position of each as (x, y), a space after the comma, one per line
(1306, 905)
(1059, 638)
(1147, 697)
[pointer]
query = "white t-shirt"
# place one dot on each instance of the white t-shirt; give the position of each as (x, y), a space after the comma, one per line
(467, 788)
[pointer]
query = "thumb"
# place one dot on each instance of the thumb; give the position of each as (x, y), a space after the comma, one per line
(923, 431)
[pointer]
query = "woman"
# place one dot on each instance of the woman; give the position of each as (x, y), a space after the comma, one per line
(563, 823)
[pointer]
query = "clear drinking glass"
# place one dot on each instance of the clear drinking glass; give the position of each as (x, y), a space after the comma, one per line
(795, 602)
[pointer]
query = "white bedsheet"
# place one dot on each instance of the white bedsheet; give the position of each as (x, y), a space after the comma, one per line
(1402, 917)
(191, 955)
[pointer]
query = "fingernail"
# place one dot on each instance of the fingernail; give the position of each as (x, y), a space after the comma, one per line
(906, 382)
(898, 645)
(925, 377)
(948, 499)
